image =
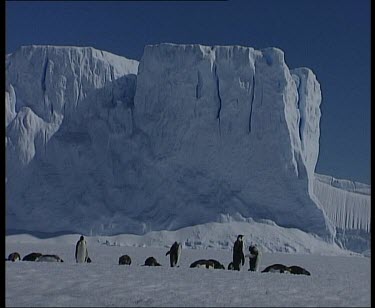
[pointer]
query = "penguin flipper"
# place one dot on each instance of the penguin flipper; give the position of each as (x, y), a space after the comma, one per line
(76, 250)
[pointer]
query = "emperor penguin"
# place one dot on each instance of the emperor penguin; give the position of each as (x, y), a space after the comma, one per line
(238, 255)
(211, 263)
(174, 254)
(81, 254)
(125, 259)
(49, 258)
(254, 256)
(151, 261)
(32, 256)
(277, 268)
(15, 256)
(295, 269)
(230, 266)
(217, 264)
(203, 264)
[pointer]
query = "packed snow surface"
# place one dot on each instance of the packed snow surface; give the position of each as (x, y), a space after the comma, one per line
(337, 280)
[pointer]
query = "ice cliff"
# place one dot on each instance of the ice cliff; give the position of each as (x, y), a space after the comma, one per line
(348, 206)
(99, 145)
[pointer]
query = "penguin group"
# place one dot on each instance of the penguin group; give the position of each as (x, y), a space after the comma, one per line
(34, 256)
(238, 258)
(254, 256)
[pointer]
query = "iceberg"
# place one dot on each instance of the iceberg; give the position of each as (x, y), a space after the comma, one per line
(101, 144)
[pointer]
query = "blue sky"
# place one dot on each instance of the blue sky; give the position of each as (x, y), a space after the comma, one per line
(331, 37)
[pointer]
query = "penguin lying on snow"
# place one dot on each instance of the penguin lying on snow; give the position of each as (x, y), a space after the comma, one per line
(217, 264)
(295, 269)
(174, 254)
(211, 263)
(202, 264)
(14, 256)
(151, 261)
(125, 259)
(281, 268)
(276, 268)
(49, 258)
(32, 256)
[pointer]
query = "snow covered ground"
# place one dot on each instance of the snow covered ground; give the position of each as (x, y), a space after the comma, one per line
(337, 278)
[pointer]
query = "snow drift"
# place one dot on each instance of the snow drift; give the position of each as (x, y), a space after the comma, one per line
(195, 134)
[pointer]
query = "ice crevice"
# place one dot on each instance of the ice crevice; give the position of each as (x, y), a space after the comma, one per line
(218, 95)
(44, 75)
(252, 100)
(198, 88)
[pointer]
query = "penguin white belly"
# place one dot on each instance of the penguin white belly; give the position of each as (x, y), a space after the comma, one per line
(81, 252)
(178, 254)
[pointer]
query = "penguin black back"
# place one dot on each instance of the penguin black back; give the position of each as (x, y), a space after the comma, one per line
(125, 259)
(295, 269)
(217, 264)
(151, 261)
(32, 256)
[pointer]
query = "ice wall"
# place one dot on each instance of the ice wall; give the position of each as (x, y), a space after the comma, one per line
(347, 203)
(62, 104)
(348, 206)
(195, 134)
(243, 120)
(44, 85)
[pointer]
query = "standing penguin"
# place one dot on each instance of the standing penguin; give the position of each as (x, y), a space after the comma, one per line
(81, 250)
(254, 258)
(238, 255)
(174, 254)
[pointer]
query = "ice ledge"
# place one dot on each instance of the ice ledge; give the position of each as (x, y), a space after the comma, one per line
(347, 185)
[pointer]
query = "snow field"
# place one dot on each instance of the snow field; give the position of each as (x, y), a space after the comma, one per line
(335, 280)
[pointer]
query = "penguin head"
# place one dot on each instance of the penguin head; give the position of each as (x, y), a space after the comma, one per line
(240, 237)
(81, 238)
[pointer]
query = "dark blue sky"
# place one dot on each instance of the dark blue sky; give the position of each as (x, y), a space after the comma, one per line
(331, 37)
